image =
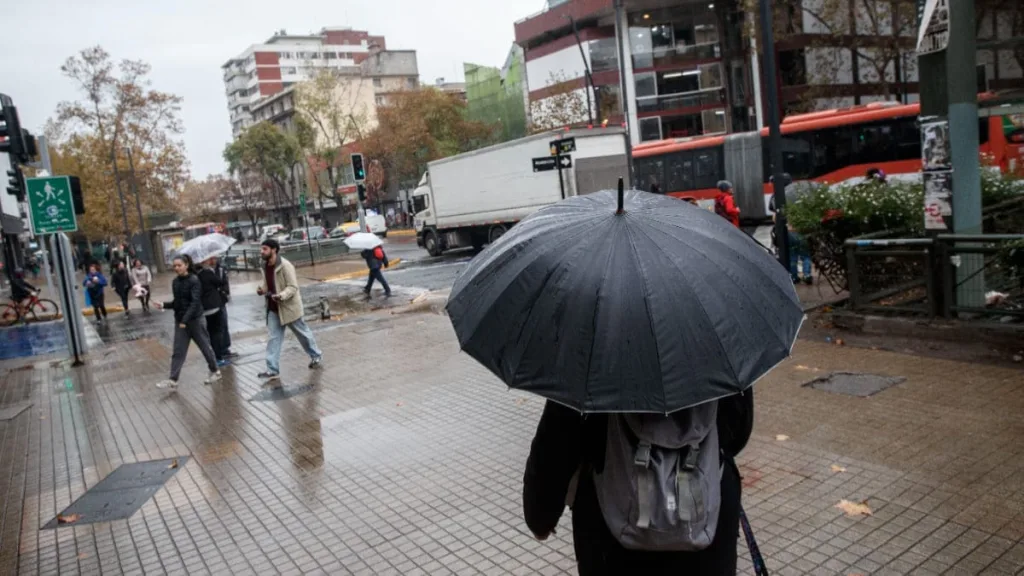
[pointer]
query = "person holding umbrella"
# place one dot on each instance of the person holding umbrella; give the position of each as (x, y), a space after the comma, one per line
(188, 323)
(644, 323)
(372, 250)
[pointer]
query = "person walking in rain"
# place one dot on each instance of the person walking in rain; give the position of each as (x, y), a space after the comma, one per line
(280, 287)
(94, 284)
(725, 203)
(141, 279)
(225, 294)
(187, 304)
(122, 285)
(213, 308)
(375, 259)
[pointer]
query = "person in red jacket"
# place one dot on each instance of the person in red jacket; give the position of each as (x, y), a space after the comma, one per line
(725, 204)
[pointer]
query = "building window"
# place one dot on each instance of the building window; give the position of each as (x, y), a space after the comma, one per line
(377, 83)
(411, 83)
(285, 55)
(604, 55)
(646, 84)
(289, 70)
(714, 121)
(650, 129)
(381, 100)
(330, 55)
(672, 36)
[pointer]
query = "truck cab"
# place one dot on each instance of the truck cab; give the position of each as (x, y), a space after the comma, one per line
(422, 214)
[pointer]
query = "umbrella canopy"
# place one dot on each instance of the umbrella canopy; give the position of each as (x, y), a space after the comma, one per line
(654, 307)
(363, 241)
(206, 246)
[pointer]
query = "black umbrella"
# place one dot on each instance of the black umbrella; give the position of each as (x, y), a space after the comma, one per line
(649, 304)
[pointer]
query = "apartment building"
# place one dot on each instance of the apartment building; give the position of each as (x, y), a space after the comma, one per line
(263, 70)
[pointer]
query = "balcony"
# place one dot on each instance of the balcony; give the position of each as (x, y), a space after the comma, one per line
(677, 56)
(673, 102)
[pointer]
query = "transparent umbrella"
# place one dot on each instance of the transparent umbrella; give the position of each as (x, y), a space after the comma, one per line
(206, 246)
(363, 241)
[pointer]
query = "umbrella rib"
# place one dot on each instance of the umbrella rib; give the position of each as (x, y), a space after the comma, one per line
(650, 318)
(593, 331)
(731, 279)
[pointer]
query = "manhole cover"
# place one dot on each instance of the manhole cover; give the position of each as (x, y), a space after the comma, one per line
(120, 494)
(11, 412)
(855, 383)
(280, 393)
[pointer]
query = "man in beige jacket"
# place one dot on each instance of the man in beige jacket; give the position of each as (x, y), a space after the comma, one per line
(284, 308)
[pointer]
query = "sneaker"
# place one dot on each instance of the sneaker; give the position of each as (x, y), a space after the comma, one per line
(316, 363)
(268, 376)
(213, 377)
(167, 384)
(231, 354)
(223, 363)
(387, 294)
(808, 280)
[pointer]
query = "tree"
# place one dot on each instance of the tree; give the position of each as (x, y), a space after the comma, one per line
(565, 106)
(201, 200)
(419, 126)
(332, 112)
(120, 112)
(264, 151)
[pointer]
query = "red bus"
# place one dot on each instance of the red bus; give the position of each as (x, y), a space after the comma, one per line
(197, 230)
(828, 147)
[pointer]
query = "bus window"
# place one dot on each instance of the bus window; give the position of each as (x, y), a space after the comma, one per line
(707, 167)
(833, 150)
(983, 129)
(679, 172)
(650, 171)
(796, 155)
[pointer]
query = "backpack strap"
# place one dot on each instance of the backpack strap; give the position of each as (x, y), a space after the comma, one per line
(645, 484)
(688, 485)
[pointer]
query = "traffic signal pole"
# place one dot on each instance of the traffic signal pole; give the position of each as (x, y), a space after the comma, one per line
(774, 133)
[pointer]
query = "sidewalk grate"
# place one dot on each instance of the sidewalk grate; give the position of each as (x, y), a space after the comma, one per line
(120, 494)
(280, 393)
(855, 383)
(12, 412)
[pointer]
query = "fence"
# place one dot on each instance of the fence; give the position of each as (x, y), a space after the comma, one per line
(298, 254)
(949, 275)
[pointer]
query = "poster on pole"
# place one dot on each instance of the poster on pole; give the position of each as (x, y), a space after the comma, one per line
(933, 29)
(936, 153)
(938, 200)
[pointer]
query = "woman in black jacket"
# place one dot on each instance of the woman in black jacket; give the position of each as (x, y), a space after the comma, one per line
(188, 323)
(566, 442)
(212, 286)
(122, 285)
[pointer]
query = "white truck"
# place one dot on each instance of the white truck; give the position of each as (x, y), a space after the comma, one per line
(473, 198)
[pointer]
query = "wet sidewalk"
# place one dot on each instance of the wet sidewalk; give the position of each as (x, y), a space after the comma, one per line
(403, 457)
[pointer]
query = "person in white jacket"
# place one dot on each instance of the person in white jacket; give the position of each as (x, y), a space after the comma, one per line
(141, 279)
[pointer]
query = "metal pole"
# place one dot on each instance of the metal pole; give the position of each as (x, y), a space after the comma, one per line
(620, 34)
(774, 133)
(44, 159)
(561, 184)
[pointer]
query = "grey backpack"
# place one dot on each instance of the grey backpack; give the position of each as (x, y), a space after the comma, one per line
(660, 489)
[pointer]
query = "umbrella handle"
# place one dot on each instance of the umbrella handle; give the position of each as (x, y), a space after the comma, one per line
(621, 193)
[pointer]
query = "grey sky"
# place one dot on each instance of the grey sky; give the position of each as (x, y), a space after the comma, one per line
(186, 42)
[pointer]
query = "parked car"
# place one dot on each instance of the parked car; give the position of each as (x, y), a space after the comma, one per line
(272, 231)
(375, 222)
(299, 235)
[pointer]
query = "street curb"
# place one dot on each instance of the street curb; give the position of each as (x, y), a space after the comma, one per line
(110, 309)
(359, 273)
(401, 232)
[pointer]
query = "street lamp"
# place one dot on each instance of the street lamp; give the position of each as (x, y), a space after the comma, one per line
(774, 133)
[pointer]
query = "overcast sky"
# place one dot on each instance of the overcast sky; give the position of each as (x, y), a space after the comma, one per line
(187, 41)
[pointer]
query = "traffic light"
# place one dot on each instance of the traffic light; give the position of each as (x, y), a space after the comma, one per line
(361, 190)
(31, 148)
(357, 167)
(16, 183)
(76, 195)
(11, 132)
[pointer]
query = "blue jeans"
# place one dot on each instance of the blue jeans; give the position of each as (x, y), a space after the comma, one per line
(795, 260)
(302, 333)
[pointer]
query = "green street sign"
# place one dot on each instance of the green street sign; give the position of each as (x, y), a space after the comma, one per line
(51, 205)
(302, 203)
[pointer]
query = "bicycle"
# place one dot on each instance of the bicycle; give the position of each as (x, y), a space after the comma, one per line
(35, 308)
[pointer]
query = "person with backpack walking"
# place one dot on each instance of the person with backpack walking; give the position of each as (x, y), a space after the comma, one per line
(94, 284)
(593, 464)
(375, 259)
(280, 287)
(187, 303)
(725, 203)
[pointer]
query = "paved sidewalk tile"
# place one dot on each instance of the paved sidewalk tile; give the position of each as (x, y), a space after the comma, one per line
(405, 457)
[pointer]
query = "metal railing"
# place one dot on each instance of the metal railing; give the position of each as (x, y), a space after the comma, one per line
(948, 275)
(248, 258)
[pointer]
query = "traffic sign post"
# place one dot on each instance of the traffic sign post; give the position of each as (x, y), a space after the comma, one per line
(50, 205)
(556, 162)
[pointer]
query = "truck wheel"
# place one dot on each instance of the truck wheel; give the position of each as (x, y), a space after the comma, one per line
(497, 232)
(432, 243)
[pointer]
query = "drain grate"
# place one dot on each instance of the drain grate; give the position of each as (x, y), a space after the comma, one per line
(280, 393)
(120, 494)
(11, 412)
(855, 383)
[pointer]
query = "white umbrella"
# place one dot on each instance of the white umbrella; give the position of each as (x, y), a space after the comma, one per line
(363, 241)
(206, 246)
